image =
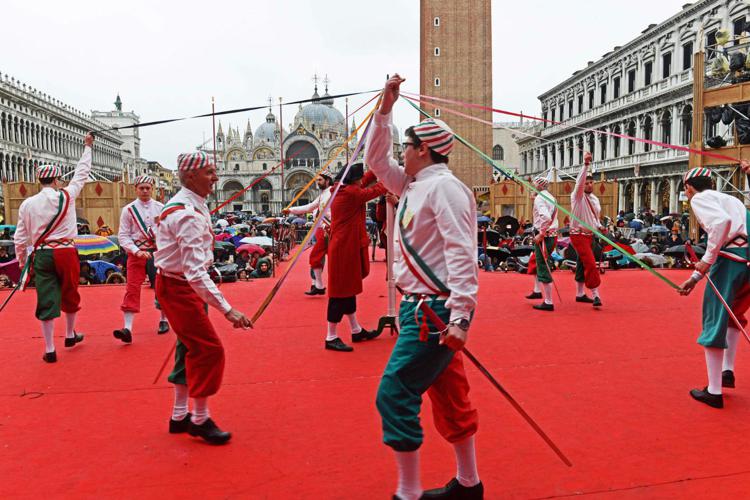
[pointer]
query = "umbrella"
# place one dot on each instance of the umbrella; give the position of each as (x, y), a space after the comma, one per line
(657, 229)
(493, 238)
(270, 220)
(299, 221)
(483, 218)
(114, 239)
(240, 227)
(508, 224)
(250, 248)
(679, 250)
(3, 227)
(90, 244)
(222, 222)
(263, 241)
(223, 245)
(258, 218)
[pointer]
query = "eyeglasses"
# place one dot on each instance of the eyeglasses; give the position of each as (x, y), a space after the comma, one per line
(405, 145)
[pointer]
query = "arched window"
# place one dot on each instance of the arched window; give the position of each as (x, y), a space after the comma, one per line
(437, 112)
(437, 51)
(265, 166)
(437, 82)
(498, 153)
(436, 21)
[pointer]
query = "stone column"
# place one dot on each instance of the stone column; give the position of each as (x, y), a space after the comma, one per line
(636, 197)
(654, 196)
(675, 126)
(673, 194)
(719, 182)
(620, 196)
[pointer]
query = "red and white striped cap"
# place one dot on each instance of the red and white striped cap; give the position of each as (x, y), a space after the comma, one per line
(697, 172)
(190, 161)
(144, 179)
(436, 134)
(48, 171)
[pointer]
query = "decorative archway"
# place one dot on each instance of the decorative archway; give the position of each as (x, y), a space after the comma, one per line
(302, 153)
(296, 182)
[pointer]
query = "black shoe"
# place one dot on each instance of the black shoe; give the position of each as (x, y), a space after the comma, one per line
(534, 295)
(597, 302)
(727, 379)
(70, 342)
(316, 291)
(712, 400)
(585, 299)
(544, 307)
(455, 490)
(209, 432)
(50, 357)
(364, 335)
(123, 335)
(179, 426)
(338, 345)
(163, 327)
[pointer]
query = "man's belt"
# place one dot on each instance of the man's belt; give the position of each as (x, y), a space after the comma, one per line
(416, 297)
(738, 242)
(581, 230)
(145, 244)
(53, 244)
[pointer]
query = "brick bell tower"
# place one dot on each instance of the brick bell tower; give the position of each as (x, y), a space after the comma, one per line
(456, 63)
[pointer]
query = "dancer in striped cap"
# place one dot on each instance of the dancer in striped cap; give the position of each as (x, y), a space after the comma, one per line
(545, 241)
(435, 260)
(727, 262)
(184, 253)
(44, 242)
(136, 237)
(586, 207)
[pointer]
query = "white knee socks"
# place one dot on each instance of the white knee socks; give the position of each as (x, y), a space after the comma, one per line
(180, 408)
(200, 411)
(733, 338)
(331, 335)
(547, 292)
(466, 462)
(353, 323)
(595, 292)
(580, 290)
(536, 286)
(714, 360)
(48, 330)
(409, 484)
(163, 316)
(70, 324)
(129, 320)
(318, 272)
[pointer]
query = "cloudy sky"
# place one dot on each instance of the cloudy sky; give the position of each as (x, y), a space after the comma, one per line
(168, 58)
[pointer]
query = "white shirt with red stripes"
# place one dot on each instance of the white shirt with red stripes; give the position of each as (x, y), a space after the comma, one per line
(130, 230)
(584, 205)
(722, 216)
(440, 223)
(36, 212)
(545, 212)
(185, 244)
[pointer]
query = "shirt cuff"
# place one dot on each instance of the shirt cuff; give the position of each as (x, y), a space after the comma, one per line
(457, 314)
(382, 119)
(224, 306)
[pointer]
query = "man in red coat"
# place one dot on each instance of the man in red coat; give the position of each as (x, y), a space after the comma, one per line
(349, 263)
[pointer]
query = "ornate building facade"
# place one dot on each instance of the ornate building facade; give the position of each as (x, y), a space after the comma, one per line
(316, 134)
(642, 89)
(37, 129)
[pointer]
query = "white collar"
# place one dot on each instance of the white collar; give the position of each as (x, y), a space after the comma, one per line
(431, 171)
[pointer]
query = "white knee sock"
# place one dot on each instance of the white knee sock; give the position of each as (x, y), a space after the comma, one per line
(180, 408)
(714, 360)
(200, 411)
(733, 338)
(70, 324)
(536, 286)
(547, 292)
(466, 462)
(318, 272)
(332, 331)
(580, 291)
(353, 323)
(163, 316)
(595, 292)
(48, 330)
(409, 483)
(129, 320)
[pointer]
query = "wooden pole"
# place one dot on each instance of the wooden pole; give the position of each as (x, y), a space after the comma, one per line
(213, 125)
(281, 150)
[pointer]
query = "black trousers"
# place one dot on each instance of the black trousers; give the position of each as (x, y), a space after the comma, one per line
(337, 307)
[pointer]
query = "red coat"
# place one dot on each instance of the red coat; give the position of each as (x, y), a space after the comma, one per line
(348, 261)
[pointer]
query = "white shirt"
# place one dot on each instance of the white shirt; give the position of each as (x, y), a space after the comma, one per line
(35, 213)
(316, 206)
(545, 212)
(185, 244)
(582, 208)
(131, 231)
(440, 222)
(722, 216)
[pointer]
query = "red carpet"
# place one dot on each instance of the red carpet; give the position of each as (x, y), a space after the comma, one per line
(610, 387)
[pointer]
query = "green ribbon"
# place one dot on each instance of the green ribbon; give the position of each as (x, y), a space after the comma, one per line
(510, 174)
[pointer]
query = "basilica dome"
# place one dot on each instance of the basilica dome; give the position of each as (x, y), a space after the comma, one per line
(320, 113)
(267, 132)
